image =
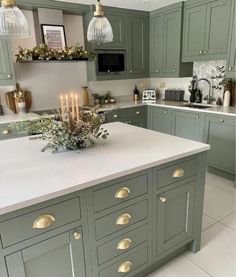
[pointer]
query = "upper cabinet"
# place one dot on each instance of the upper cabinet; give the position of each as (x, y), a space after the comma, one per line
(165, 43)
(6, 66)
(137, 37)
(206, 30)
(231, 61)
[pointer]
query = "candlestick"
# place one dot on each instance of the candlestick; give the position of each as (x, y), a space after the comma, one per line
(67, 105)
(77, 107)
(73, 106)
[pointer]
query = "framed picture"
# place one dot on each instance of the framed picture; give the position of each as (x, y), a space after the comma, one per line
(54, 36)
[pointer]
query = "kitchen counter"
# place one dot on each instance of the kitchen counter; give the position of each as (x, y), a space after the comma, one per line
(11, 118)
(28, 176)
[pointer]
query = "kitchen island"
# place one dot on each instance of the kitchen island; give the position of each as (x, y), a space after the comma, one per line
(123, 207)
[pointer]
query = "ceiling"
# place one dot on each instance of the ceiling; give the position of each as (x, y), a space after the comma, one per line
(144, 5)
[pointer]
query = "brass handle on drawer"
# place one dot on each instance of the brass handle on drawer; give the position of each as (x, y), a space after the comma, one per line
(197, 116)
(163, 199)
(123, 219)
(125, 267)
(115, 115)
(6, 132)
(122, 193)
(138, 112)
(230, 68)
(43, 221)
(222, 120)
(205, 52)
(77, 235)
(179, 172)
(200, 52)
(124, 244)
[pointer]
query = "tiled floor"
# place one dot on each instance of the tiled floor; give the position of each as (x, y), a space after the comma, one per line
(217, 258)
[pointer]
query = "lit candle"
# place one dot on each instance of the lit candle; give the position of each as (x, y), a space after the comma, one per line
(77, 107)
(73, 106)
(67, 105)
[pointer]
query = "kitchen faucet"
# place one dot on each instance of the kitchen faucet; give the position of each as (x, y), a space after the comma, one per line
(208, 97)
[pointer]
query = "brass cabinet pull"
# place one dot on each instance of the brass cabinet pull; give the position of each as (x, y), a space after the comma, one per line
(115, 115)
(8, 76)
(200, 52)
(6, 132)
(205, 51)
(174, 70)
(122, 193)
(124, 244)
(138, 112)
(43, 221)
(163, 199)
(197, 116)
(222, 120)
(157, 70)
(165, 112)
(125, 267)
(230, 68)
(123, 219)
(77, 235)
(179, 172)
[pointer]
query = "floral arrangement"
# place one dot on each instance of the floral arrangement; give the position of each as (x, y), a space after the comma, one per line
(67, 134)
(44, 53)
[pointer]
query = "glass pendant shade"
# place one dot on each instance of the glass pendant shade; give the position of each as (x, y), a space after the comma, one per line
(13, 23)
(99, 29)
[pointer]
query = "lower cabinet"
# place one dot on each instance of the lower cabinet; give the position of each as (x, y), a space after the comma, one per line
(6, 67)
(59, 256)
(160, 120)
(174, 212)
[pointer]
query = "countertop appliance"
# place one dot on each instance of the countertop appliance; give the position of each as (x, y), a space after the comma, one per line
(149, 96)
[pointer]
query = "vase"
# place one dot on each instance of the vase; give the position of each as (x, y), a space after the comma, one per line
(85, 96)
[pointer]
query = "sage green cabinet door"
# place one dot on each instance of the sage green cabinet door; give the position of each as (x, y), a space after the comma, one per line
(59, 256)
(175, 213)
(217, 27)
(6, 67)
(137, 35)
(194, 31)
(189, 125)
(156, 44)
(221, 137)
(160, 120)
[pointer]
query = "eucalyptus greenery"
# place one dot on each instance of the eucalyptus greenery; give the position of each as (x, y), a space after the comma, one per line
(67, 135)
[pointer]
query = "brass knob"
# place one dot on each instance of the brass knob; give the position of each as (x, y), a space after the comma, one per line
(222, 120)
(6, 132)
(174, 70)
(122, 193)
(157, 71)
(230, 68)
(115, 115)
(200, 52)
(43, 221)
(77, 235)
(163, 199)
(197, 117)
(179, 172)
(9, 76)
(125, 267)
(165, 112)
(138, 112)
(124, 219)
(131, 71)
(205, 51)
(124, 244)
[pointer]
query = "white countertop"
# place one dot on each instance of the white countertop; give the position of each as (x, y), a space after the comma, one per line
(28, 176)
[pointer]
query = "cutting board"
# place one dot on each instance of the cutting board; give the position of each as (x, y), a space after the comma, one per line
(11, 103)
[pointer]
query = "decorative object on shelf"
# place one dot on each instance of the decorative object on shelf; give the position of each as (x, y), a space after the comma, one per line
(85, 96)
(13, 23)
(1, 107)
(19, 100)
(44, 53)
(192, 89)
(100, 99)
(69, 129)
(99, 29)
(54, 36)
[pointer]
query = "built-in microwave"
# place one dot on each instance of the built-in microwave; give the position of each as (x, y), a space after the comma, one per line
(111, 62)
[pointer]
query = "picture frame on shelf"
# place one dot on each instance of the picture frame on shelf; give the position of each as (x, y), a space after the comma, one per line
(54, 36)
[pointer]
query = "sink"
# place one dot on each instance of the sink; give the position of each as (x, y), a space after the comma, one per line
(197, 106)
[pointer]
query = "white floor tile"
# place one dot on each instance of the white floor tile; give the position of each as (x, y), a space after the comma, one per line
(222, 183)
(180, 267)
(210, 177)
(207, 222)
(218, 253)
(230, 221)
(218, 203)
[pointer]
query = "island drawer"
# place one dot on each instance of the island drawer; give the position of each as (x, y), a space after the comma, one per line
(122, 244)
(120, 114)
(117, 221)
(120, 192)
(39, 221)
(7, 131)
(126, 266)
(176, 172)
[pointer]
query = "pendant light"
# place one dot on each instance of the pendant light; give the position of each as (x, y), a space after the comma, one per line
(99, 29)
(13, 23)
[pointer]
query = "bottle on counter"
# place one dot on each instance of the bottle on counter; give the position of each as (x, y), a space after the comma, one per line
(199, 96)
(227, 96)
(136, 94)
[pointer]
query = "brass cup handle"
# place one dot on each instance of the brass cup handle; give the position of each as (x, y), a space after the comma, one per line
(124, 244)
(77, 235)
(138, 113)
(178, 173)
(6, 132)
(163, 199)
(124, 219)
(222, 120)
(115, 115)
(125, 267)
(43, 221)
(122, 193)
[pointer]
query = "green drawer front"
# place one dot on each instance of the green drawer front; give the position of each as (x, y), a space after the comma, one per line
(132, 214)
(176, 173)
(122, 244)
(120, 192)
(123, 113)
(21, 228)
(8, 132)
(135, 261)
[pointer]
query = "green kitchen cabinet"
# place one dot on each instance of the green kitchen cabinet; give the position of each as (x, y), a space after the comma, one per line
(166, 43)
(203, 37)
(160, 119)
(221, 135)
(137, 39)
(59, 256)
(18, 129)
(189, 125)
(6, 66)
(175, 213)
